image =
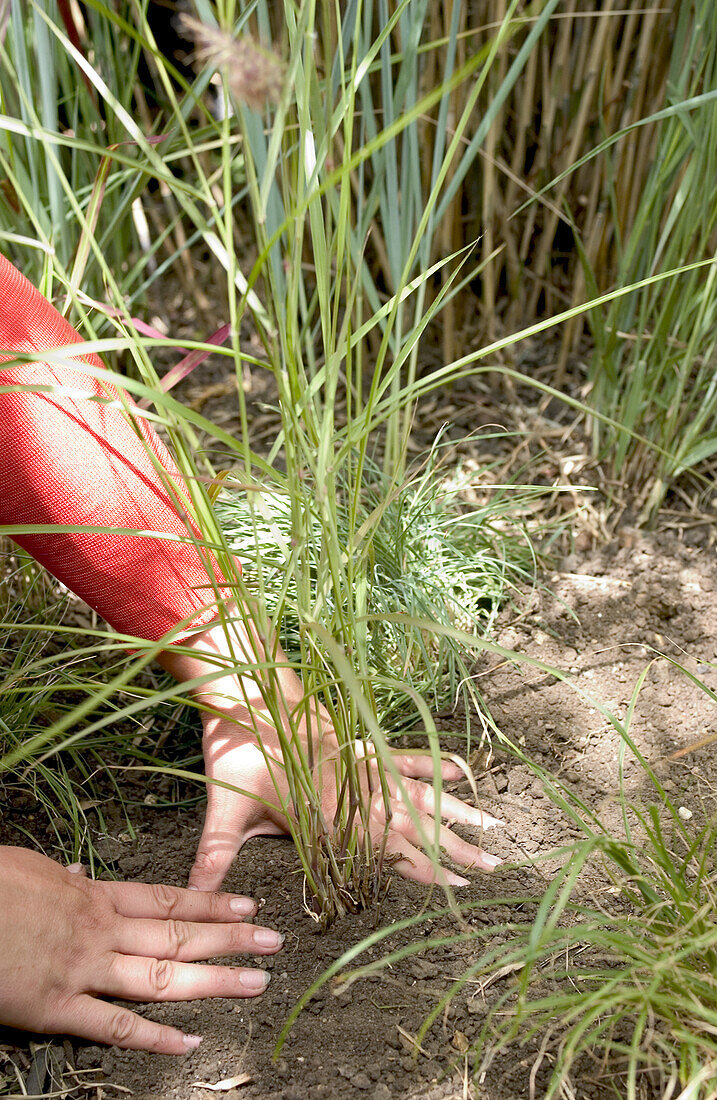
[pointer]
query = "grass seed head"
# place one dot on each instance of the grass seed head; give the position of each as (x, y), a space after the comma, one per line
(254, 74)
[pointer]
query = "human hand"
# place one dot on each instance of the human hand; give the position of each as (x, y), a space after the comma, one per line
(252, 809)
(68, 940)
(237, 720)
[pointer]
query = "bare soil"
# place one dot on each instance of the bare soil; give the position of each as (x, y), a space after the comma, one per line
(602, 616)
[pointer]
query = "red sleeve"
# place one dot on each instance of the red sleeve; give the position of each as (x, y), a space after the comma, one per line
(68, 459)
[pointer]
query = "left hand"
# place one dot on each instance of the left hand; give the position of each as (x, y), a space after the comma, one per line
(68, 942)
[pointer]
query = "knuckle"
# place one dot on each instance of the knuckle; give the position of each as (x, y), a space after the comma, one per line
(400, 822)
(240, 938)
(166, 897)
(217, 905)
(213, 903)
(178, 935)
(123, 1028)
(161, 972)
(208, 862)
(379, 814)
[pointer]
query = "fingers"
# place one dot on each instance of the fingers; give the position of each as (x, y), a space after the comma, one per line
(215, 854)
(415, 865)
(136, 978)
(420, 766)
(160, 902)
(105, 1023)
(416, 765)
(425, 799)
(459, 850)
(185, 942)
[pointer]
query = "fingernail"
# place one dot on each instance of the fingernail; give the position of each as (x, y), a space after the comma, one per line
(192, 887)
(75, 868)
(267, 937)
(191, 1042)
(245, 907)
(256, 980)
(491, 862)
(457, 880)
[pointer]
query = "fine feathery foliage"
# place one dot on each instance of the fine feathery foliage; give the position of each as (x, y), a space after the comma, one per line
(431, 560)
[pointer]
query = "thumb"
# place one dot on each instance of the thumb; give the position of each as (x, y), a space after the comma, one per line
(234, 815)
(225, 830)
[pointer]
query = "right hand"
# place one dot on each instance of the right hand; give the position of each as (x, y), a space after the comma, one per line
(243, 803)
(68, 940)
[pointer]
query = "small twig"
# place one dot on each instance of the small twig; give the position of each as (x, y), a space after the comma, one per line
(413, 1041)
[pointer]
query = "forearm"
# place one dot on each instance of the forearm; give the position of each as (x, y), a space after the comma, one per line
(72, 458)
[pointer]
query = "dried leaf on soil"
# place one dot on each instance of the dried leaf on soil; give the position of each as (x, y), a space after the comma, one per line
(226, 1085)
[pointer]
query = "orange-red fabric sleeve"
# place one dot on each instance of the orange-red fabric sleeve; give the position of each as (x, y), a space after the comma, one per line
(68, 459)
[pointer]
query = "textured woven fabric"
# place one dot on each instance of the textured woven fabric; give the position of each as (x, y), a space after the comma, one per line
(66, 459)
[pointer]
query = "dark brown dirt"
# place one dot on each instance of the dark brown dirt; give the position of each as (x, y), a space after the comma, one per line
(602, 617)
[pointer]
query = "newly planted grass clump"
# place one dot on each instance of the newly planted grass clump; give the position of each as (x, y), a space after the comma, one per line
(431, 561)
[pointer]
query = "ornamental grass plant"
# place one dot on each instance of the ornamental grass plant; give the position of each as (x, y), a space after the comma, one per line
(654, 368)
